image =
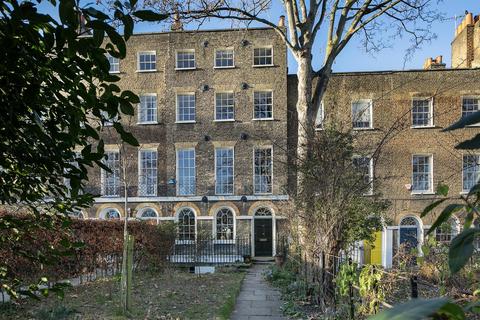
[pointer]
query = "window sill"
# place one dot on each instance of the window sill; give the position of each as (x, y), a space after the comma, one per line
(262, 194)
(147, 195)
(229, 67)
(110, 196)
(224, 120)
(185, 69)
(146, 71)
(364, 129)
(114, 72)
(224, 241)
(262, 65)
(319, 129)
(190, 121)
(422, 193)
(263, 119)
(184, 241)
(147, 122)
(423, 127)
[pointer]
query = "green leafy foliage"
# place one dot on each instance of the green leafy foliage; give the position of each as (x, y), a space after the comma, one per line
(461, 249)
(416, 309)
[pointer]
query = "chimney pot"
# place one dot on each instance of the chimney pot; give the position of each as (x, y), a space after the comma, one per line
(469, 19)
(281, 21)
(439, 59)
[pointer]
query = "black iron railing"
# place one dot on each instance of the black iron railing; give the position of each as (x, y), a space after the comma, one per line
(211, 251)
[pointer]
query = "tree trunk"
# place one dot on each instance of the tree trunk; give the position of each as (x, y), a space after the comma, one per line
(306, 117)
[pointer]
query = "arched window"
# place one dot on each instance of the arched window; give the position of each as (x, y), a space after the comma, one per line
(147, 213)
(447, 230)
(409, 222)
(110, 213)
(224, 222)
(186, 224)
(263, 212)
(410, 232)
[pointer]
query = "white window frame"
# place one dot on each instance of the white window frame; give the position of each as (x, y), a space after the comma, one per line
(430, 191)
(140, 169)
(178, 106)
(320, 123)
(102, 213)
(214, 224)
(461, 107)
(185, 51)
(464, 191)
(117, 63)
(178, 173)
(253, 100)
(103, 174)
(215, 58)
(430, 112)
(262, 65)
(155, 121)
(139, 53)
(215, 107)
(370, 108)
(142, 210)
(271, 168)
(233, 170)
(370, 172)
(177, 214)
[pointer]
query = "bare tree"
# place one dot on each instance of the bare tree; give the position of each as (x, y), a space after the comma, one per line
(331, 23)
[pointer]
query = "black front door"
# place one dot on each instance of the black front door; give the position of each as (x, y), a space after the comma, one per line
(263, 237)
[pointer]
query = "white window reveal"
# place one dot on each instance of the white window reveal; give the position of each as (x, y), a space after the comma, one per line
(186, 179)
(147, 179)
(470, 105)
(471, 171)
(147, 61)
(320, 117)
(263, 56)
(147, 112)
(224, 222)
(185, 59)
(422, 177)
(224, 160)
(111, 180)
(263, 105)
(364, 165)
(263, 169)
(186, 107)
(422, 112)
(114, 64)
(224, 106)
(224, 58)
(362, 114)
(186, 225)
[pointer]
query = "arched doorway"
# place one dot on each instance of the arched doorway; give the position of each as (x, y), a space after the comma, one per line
(263, 232)
(409, 232)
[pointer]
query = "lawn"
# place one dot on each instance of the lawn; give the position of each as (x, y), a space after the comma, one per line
(173, 294)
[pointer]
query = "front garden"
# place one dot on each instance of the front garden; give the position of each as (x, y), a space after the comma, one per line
(172, 294)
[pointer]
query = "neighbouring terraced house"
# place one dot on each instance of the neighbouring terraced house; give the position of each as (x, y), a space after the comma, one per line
(215, 127)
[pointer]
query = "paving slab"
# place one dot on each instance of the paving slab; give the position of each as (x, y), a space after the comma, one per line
(257, 299)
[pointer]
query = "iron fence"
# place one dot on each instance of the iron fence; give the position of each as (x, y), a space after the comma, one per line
(211, 251)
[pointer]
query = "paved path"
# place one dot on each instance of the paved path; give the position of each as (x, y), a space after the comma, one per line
(257, 299)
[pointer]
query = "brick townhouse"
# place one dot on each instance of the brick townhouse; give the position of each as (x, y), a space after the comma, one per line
(213, 125)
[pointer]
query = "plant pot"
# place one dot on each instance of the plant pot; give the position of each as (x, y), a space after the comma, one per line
(279, 260)
(247, 259)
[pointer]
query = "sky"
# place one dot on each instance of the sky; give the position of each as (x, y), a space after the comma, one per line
(354, 57)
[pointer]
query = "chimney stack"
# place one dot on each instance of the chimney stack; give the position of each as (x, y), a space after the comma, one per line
(281, 21)
(465, 51)
(431, 64)
(177, 24)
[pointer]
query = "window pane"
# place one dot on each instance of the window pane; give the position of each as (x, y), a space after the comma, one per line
(147, 61)
(224, 224)
(262, 56)
(263, 104)
(364, 167)
(186, 224)
(361, 114)
(186, 171)
(471, 171)
(148, 173)
(224, 58)
(224, 106)
(111, 180)
(263, 170)
(421, 177)
(224, 171)
(469, 106)
(185, 59)
(421, 112)
(114, 63)
(320, 117)
(186, 107)
(147, 109)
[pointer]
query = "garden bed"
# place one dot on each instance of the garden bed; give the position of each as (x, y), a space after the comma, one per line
(173, 294)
